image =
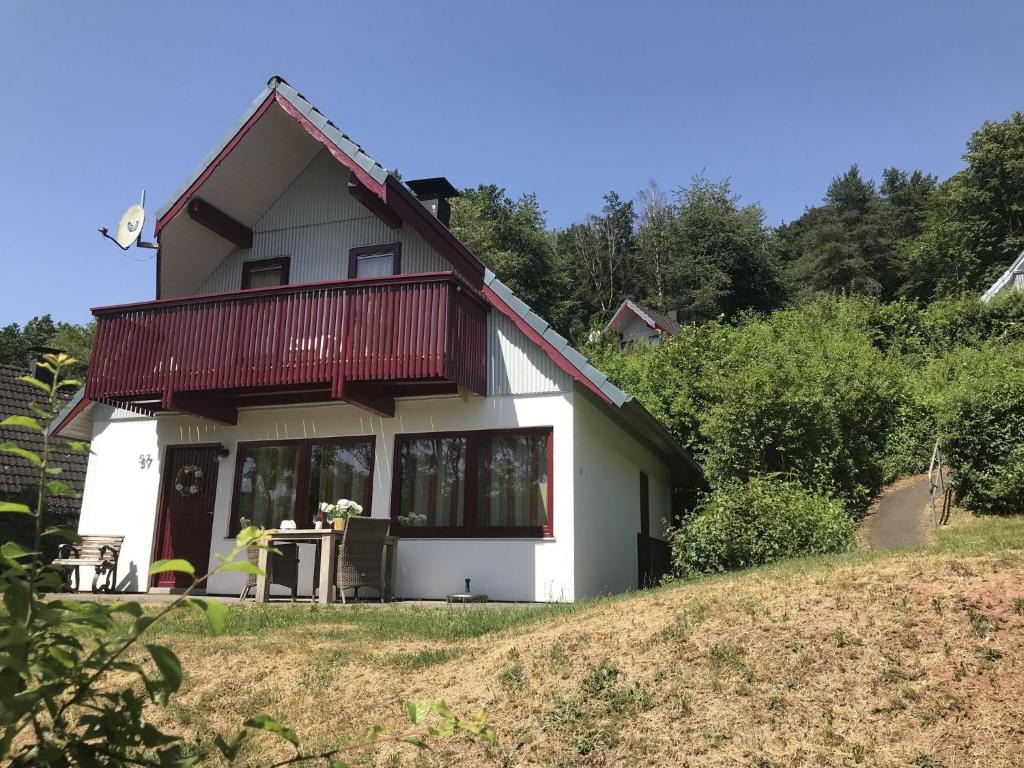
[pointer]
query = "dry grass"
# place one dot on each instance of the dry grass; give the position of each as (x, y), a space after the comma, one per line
(862, 660)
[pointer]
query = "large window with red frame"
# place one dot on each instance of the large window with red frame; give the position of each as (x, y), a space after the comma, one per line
(486, 483)
(287, 480)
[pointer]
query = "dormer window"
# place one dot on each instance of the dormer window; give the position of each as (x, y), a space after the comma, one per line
(375, 260)
(265, 273)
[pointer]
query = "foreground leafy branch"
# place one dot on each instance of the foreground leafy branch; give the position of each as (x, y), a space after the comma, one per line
(61, 703)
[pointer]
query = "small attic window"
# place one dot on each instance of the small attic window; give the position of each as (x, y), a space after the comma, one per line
(375, 260)
(265, 273)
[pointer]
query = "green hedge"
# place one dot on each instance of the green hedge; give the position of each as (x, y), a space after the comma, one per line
(981, 424)
(765, 519)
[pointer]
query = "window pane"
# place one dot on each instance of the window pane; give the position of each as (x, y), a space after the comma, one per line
(375, 265)
(432, 473)
(513, 481)
(263, 277)
(340, 471)
(266, 492)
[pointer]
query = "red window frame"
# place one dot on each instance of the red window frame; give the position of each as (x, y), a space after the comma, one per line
(469, 528)
(302, 475)
(257, 265)
(362, 250)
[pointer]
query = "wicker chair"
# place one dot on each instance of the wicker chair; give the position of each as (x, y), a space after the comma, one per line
(282, 569)
(360, 553)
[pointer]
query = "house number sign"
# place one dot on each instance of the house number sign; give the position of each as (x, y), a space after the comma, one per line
(145, 460)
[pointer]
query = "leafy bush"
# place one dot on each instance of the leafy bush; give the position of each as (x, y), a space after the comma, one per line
(981, 423)
(765, 519)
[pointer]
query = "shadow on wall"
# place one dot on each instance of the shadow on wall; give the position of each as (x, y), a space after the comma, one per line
(130, 581)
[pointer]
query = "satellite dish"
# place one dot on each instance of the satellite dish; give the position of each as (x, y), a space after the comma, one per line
(129, 229)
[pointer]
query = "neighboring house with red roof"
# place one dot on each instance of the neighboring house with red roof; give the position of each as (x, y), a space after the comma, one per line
(318, 332)
(634, 322)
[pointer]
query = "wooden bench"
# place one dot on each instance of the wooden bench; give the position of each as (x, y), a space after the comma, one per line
(99, 552)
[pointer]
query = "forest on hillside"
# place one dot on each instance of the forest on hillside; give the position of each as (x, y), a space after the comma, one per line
(701, 250)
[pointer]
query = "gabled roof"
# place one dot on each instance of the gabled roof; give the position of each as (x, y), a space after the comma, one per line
(625, 410)
(1015, 273)
(16, 474)
(266, 149)
(652, 318)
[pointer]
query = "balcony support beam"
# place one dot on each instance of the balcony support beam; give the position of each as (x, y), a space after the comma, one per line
(366, 396)
(203, 406)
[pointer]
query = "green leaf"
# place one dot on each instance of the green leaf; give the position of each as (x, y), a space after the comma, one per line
(17, 450)
(418, 711)
(216, 614)
(244, 566)
(33, 381)
(63, 658)
(338, 764)
(21, 421)
(419, 743)
(77, 446)
(68, 534)
(169, 666)
(444, 710)
(14, 550)
(267, 723)
(17, 597)
(61, 490)
(18, 509)
(248, 535)
(176, 565)
(230, 749)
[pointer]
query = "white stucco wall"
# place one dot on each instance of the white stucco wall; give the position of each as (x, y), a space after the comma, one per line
(637, 330)
(121, 497)
(607, 466)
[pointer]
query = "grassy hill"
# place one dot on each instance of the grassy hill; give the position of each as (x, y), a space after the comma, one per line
(868, 659)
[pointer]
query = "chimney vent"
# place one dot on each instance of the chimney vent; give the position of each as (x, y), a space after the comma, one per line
(434, 194)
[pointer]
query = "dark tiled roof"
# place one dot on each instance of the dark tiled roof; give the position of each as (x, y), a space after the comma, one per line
(664, 322)
(16, 474)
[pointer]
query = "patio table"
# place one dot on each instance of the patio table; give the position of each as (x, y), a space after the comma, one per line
(324, 580)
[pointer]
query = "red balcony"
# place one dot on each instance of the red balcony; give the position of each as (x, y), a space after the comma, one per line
(366, 341)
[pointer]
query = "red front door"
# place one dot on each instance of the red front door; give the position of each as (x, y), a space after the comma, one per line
(185, 522)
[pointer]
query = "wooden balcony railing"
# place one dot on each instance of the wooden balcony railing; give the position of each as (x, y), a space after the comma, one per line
(338, 336)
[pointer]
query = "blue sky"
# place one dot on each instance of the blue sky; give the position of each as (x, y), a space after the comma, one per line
(568, 100)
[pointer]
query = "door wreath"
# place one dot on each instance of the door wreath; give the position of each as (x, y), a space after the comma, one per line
(186, 482)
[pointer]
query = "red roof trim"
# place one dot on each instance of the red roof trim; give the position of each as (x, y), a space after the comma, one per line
(626, 305)
(180, 202)
(81, 406)
(544, 344)
(366, 179)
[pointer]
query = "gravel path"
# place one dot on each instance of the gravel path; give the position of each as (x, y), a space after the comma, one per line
(900, 517)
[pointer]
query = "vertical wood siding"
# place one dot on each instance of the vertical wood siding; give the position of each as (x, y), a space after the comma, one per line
(316, 222)
(516, 365)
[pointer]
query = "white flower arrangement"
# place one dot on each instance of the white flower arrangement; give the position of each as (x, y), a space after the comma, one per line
(342, 508)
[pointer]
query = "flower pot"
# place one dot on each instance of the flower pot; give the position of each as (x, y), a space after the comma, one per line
(339, 523)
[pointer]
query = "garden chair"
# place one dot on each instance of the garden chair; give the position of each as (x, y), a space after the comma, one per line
(282, 569)
(360, 556)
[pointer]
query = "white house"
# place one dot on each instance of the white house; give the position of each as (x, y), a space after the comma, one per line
(1012, 279)
(318, 332)
(634, 322)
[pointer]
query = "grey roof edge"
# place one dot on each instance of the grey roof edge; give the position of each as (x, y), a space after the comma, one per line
(622, 401)
(1004, 279)
(67, 410)
(277, 83)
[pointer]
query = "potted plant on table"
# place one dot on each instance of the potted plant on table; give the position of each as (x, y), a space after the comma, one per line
(340, 511)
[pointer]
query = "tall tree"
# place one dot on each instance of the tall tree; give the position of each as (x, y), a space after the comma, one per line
(845, 245)
(17, 342)
(510, 236)
(723, 263)
(975, 223)
(596, 266)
